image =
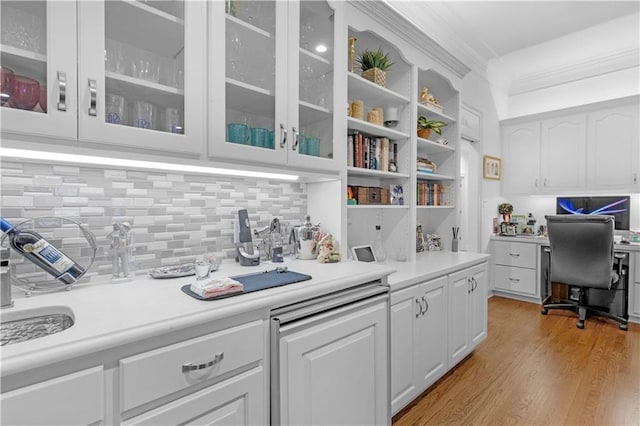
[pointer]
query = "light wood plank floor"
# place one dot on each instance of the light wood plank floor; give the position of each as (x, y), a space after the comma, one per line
(538, 370)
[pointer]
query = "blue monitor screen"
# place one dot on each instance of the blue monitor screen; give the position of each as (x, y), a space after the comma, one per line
(616, 206)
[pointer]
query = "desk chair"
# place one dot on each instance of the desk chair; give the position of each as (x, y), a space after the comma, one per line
(582, 256)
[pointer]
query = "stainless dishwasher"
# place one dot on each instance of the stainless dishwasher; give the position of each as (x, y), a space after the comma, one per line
(329, 359)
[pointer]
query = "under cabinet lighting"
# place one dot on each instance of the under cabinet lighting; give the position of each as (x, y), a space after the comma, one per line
(136, 164)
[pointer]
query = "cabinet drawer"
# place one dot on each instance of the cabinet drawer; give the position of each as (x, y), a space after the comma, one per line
(517, 280)
(515, 254)
(151, 375)
(74, 399)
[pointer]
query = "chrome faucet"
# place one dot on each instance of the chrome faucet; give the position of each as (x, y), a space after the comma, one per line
(6, 301)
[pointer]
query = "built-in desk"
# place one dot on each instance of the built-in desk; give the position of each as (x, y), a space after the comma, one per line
(517, 265)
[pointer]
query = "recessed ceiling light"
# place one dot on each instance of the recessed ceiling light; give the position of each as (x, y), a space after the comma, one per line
(321, 48)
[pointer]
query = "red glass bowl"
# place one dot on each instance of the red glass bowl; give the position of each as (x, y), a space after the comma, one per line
(7, 81)
(26, 93)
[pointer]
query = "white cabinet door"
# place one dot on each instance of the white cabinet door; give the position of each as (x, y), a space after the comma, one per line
(613, 155)
(272, 104)
(563, 153)
(335, 371)
(148, 92)
(239, 400)
(467, 311)
(521, 165)
(47, 61)
(74, 399)
(430, 335)
(405, 312)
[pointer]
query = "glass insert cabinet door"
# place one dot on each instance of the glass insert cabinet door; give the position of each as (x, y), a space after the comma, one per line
(38, 67)
(278, 81)
(141, 74)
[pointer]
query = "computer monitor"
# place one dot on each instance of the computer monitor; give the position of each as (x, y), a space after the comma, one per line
(613, 205)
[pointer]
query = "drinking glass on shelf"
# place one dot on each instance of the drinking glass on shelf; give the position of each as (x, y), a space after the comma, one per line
(115, 57)
(172, 121)
(115, 109)
(234, 56)
(146, 66)
(306, 82)
(26, 93)
(143, 115)
(7, 83)
(306, 32)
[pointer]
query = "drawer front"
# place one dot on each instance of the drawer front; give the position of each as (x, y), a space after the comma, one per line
(516, 280)
(74, 399)
(522, 255)
(151, 375)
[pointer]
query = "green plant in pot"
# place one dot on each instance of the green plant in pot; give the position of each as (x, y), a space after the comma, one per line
(374, 65)
(425, 127)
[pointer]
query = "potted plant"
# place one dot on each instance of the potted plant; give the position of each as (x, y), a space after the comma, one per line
(374, 65)
(426, 126)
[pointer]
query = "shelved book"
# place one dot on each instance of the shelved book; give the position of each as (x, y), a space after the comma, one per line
(371, 153)
(430, 194)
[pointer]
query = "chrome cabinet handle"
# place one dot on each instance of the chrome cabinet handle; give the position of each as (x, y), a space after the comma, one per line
(475, 284)
(283, 136)
(93, 88)
(191, 367)
(62, 91)
(419, 307)
(426, 305)
(514, 280)
(469, 286)
(514, 254)
(295, 138)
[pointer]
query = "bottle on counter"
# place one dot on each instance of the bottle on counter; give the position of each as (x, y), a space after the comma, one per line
(41, 252)
(378, 246)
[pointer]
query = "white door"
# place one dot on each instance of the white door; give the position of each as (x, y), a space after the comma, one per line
(38, 51)
(335, 371)
(470, 196)
(563, 153)
(142, 75)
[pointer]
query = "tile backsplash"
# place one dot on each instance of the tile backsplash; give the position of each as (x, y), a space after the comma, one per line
(175, 217)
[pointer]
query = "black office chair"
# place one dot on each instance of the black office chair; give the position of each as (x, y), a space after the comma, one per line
(582, 256)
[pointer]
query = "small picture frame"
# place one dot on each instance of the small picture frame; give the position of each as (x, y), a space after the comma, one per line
(396, 195)
(364, 253)
(491, 167)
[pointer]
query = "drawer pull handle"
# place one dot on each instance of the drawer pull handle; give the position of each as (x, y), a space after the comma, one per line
(514, 254)
(515, 280)
(191, 367)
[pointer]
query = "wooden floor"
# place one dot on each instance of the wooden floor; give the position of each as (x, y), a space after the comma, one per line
(538, 370)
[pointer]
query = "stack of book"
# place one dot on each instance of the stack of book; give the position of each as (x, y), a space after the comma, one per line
(368, 152)
(430, 194)
(424, 165)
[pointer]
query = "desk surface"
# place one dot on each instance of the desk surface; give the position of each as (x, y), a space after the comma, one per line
(635, 247)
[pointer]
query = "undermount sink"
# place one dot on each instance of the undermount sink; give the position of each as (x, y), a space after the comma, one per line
(27, 324)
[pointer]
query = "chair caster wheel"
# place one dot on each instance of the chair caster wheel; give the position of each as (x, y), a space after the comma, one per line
(544, 311)
(580, 325)
(623, 327)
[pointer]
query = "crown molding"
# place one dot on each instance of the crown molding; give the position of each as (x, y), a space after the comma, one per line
(389, 17)
(592, 67)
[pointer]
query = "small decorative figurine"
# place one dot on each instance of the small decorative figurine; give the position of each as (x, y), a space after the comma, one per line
(121, 250)
(419, 239)
(352, 54)
(328, 251)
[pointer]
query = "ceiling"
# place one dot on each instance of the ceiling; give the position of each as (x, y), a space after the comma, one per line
(496, 28)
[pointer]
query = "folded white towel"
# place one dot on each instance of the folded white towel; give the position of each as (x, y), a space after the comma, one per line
(216, 287)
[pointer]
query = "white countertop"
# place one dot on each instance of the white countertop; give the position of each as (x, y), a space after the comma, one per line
(545, 241)
(108, 315)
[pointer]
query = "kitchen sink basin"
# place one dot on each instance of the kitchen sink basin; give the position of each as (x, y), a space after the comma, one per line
(28, 324)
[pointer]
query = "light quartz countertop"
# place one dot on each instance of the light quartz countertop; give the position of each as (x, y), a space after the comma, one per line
(109, 314)
(545, 241)
(112, 314)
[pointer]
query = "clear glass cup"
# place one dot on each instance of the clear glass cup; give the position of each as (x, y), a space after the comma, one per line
(115, 57)
(146, 66)
(143, 115)
(173, 121)
(115, 109)
(202, 268)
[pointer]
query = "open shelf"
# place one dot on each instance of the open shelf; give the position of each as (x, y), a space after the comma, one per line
(375, 129)
(431, 113)
(359, 171)
(433, 176)
(433, 147)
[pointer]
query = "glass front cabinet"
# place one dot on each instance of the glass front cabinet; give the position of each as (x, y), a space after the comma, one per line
(271, 67)
(119, 73)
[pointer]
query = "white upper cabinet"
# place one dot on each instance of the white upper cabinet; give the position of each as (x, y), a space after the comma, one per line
(563, 153)
(134, 78)
(272, 102)
(613, 156)
(141, 74)
(38, 59)
(521, 151)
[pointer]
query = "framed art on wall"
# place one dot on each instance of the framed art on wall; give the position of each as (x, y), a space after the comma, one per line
(491, 167)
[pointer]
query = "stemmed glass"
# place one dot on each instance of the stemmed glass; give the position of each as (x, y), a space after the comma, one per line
(234, 53)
